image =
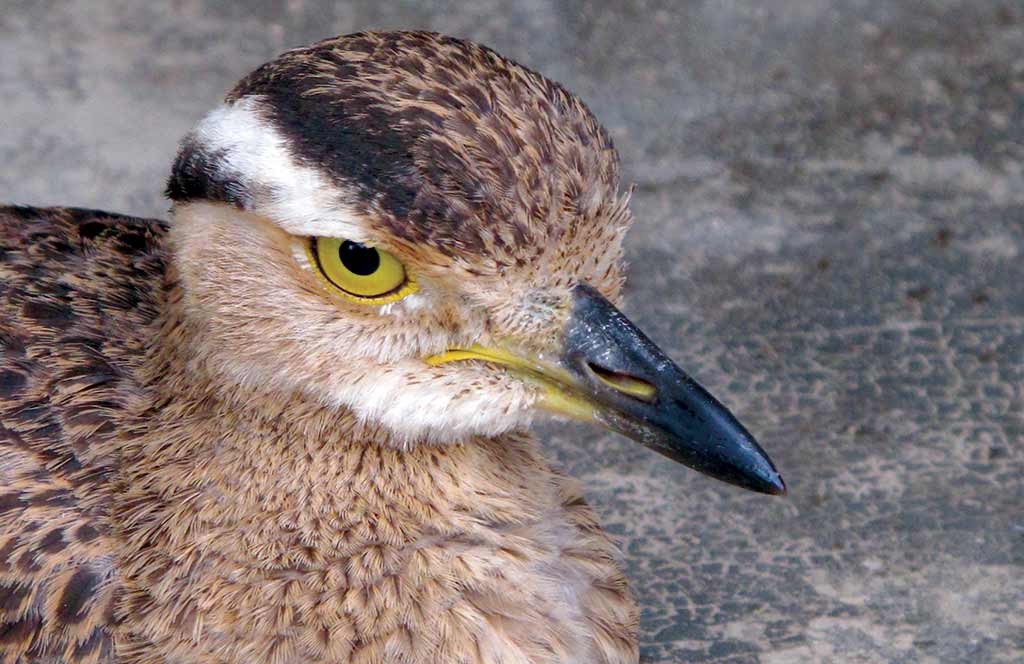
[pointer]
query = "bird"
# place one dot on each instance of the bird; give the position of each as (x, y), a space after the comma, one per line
(292, 423)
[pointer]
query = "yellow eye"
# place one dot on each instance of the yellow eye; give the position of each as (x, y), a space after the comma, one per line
(361, 273)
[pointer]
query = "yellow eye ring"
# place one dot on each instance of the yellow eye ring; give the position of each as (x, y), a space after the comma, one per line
(359, 273)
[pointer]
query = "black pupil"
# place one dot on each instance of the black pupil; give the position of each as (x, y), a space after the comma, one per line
(359, 259)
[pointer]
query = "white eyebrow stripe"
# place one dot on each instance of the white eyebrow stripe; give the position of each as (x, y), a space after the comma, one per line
(298, 198)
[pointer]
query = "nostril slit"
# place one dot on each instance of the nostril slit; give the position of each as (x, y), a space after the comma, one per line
(620, 382)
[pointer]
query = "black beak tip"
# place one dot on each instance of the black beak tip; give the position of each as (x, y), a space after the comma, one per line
(772, 485)
(752, 468)
(713, 441)
(753, 471)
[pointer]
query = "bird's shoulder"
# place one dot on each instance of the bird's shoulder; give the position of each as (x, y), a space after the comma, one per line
(77, 289)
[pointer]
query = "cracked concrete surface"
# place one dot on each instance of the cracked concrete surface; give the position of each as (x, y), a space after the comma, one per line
(830, 204)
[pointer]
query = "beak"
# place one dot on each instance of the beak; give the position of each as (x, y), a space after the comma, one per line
(608, 372)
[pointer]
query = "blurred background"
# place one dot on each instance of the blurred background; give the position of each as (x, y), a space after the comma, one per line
(830, 226)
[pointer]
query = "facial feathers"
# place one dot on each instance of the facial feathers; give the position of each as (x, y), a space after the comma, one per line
(496, 187)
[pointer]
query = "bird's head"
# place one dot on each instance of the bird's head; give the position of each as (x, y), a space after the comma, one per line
(413, 229)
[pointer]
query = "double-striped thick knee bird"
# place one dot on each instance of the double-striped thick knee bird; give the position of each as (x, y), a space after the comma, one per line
(290, 425)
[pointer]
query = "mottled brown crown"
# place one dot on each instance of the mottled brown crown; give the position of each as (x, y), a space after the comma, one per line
(437, 139)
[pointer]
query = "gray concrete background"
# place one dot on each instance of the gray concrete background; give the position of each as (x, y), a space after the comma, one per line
(829, 198)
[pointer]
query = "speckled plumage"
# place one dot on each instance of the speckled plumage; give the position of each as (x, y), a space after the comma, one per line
(197, 458)
(140, 524)
(77, 295)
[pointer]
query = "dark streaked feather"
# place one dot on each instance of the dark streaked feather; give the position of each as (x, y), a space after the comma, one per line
(77, 290)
